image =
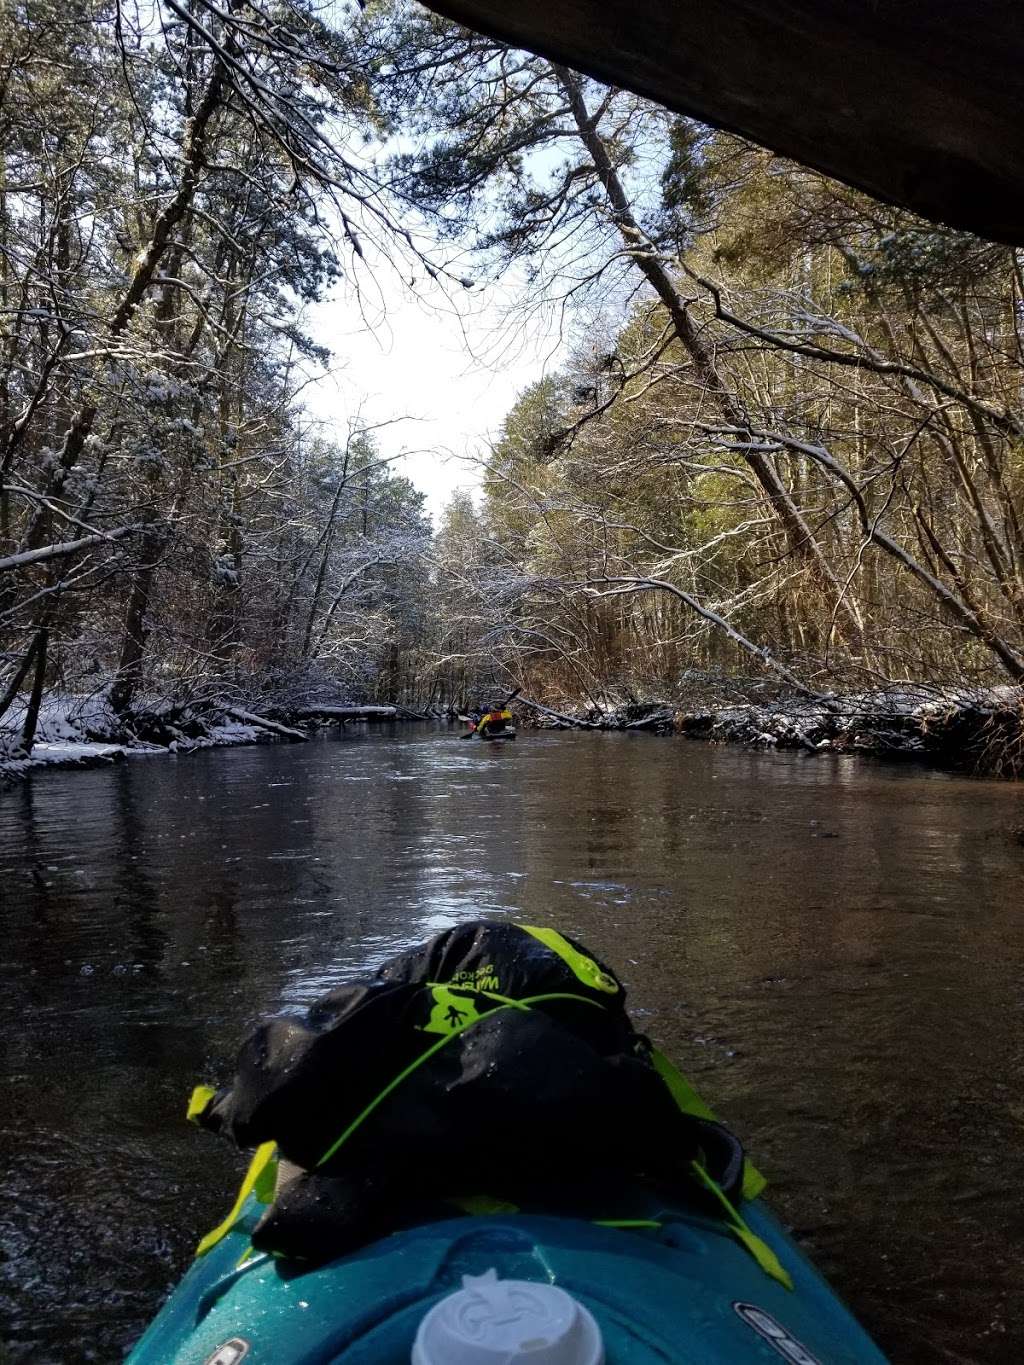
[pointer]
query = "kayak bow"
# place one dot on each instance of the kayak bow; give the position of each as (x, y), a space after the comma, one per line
(669, 1284)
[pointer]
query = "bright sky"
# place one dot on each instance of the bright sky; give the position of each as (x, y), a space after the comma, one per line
(455, 373)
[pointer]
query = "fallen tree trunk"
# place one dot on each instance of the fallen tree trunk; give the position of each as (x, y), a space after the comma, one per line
(662, 719)
(569, 722)
(262, 723)
(343, 713)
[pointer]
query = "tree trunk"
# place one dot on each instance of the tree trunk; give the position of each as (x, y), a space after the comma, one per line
(20, 674)
(28, 729)
(799, 536)
(133, 644)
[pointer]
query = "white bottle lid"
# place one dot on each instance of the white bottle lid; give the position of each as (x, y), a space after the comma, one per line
(507, 1322)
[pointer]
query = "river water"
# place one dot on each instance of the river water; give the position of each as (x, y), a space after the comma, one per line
(833, 949)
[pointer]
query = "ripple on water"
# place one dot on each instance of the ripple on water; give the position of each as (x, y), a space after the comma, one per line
(851, 1004)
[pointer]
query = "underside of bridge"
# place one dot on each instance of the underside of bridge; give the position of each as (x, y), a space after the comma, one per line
(918, 102)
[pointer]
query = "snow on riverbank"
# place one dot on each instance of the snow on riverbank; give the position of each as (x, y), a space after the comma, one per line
(980, 730)
(84, 732)
(63, 755)
(974, 729)
(977, 730)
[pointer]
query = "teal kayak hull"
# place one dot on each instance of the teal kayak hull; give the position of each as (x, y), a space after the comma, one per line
(684, 1292)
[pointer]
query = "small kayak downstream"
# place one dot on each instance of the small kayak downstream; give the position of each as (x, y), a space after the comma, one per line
(498, 738)
(673, 1287)
(496, 723)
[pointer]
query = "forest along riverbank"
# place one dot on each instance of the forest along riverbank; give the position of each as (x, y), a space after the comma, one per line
(86, 732)
(979, 731)
(794, 933)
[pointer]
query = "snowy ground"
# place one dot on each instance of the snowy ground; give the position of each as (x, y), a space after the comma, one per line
(82, 732)
(978, 729)
(76, 731)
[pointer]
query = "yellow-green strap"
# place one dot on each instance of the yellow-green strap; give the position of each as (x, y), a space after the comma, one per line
(198, 1100)
(259, 1180)
(691, 1103)
(680, 1088)
(456, 1031)
(758, 1248)
(584, 968)
(490, 995)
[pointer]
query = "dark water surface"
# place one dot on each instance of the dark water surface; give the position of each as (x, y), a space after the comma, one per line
(834, 950)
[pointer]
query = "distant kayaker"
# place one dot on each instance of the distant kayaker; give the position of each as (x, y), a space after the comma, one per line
(494, 722)
(496, 719)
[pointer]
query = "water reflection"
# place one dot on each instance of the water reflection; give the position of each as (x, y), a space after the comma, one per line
(833, 948)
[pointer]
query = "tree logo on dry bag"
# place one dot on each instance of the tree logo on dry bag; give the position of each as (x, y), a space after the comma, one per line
(775, 1334)
(230, 1353)
(451, 1011)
